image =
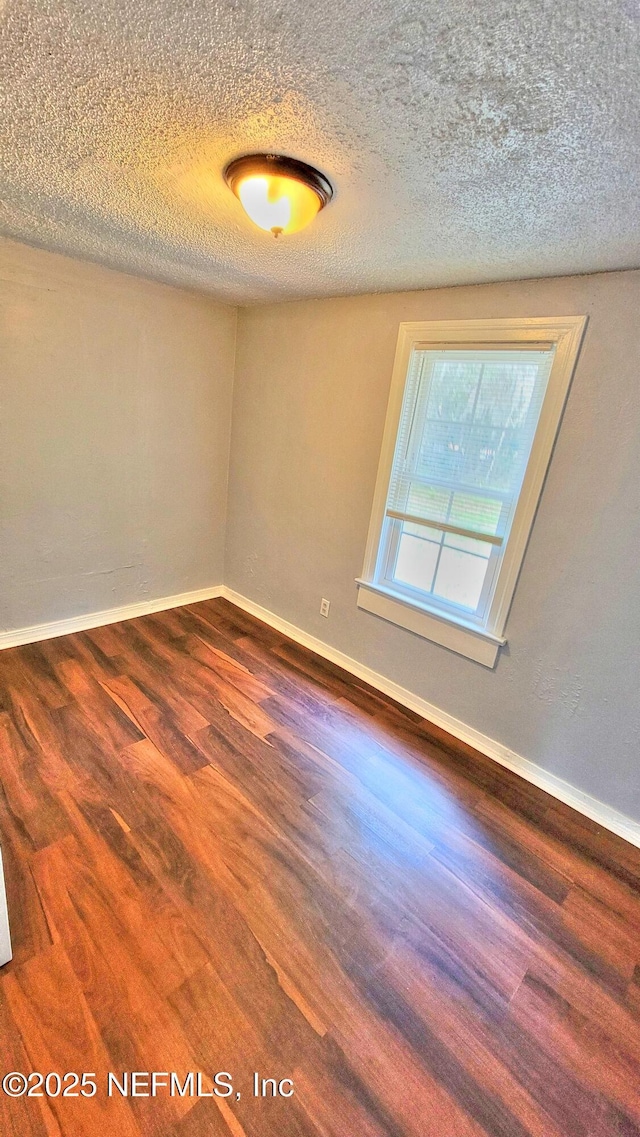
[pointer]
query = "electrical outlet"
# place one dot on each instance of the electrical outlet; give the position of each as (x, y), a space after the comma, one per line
(324, 607)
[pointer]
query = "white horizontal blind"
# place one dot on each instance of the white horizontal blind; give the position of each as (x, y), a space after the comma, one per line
(466, 429)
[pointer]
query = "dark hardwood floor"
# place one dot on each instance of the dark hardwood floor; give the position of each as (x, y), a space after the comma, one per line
(224, 854)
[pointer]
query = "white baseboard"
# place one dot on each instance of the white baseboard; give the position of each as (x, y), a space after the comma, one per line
(604, 815)
(98, 619)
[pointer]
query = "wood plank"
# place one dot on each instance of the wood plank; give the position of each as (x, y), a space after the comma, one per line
(59, 1034)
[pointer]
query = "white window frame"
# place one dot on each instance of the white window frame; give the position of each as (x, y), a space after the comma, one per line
(480, 643)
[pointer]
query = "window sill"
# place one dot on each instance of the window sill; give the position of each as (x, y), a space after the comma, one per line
(455, 634)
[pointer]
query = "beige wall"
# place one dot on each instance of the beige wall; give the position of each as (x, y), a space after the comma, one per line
(114, 438)
(312, 381)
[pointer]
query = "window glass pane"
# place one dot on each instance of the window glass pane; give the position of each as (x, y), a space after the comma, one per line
(479, 419)
(416, 561)
(460, 577)
(505, 394)
(442, 450)
(480, 548)
(493, 458)
(471, 512)
(425, 532)
(452, 393)
(428, 501)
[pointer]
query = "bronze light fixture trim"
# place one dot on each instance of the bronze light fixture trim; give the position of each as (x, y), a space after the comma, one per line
(279, 194)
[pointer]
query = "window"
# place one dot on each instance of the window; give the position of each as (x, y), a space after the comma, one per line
(473, 414)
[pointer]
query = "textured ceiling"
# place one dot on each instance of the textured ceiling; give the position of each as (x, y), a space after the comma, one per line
(468, 140)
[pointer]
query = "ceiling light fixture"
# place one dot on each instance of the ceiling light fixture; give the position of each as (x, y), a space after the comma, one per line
(279, 194)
